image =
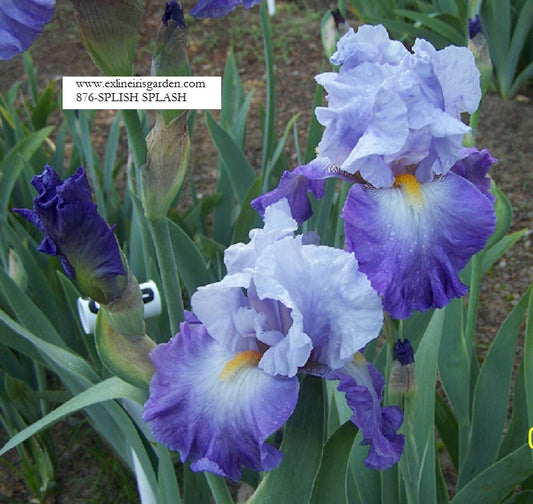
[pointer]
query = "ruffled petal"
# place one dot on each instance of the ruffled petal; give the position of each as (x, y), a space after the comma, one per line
(412, 247)
(21, 21)
(215, 407)
(474, 167)
(241, 257)
(294, 186)
(369, 44)
(457, 74)
(363, 385)
(329, 300)
(389, 109)
(224, 310)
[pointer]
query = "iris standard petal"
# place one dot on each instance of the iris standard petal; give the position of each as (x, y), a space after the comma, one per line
(363, 385)
(21, 21)
(389, 108)
(474, 166)
(328, 298)
(215, 407)
(370, 43)
(225, 311)
(278, 222)
(294, 186)
(413, 241)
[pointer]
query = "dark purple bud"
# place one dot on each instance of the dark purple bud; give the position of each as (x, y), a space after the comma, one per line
(173, 11)
(403, 352)
(338, 18)
(474, 27)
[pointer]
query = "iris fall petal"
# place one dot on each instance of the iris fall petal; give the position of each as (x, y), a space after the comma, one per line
(215, 407)
(412, 247)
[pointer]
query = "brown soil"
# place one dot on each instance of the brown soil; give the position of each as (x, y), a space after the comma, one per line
(505, 128)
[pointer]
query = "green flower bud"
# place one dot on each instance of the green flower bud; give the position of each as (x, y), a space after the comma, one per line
(480, 48)
(126, 313)
(167, 160)
(170, 53)
(126, 357)
(333, 26)
(110, 30)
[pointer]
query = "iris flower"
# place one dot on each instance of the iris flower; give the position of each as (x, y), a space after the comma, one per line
(21, 21)
(74, 232)
(228, 379)
(419, 207)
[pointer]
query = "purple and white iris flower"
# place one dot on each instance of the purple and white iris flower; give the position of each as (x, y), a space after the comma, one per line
(74, 232)
(420, 207)
(228, 379)
(21, 21)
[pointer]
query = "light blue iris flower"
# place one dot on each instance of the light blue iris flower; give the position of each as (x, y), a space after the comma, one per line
(420, 206)
(228, 379)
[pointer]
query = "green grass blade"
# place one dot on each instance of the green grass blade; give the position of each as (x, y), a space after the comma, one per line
(504, 216)
(524, 22)
(270, 107)
(166, 476)
(444, 29)
(112, 388)
(454, 369)
(248, 218)
(111, 153)
(331, 483)
(302, 448)
(528, 360)
(426, 359)
(367, 480)
(519, 423)
(62, 358)
(446, 424)
(522, 79)
(495, 482)
(491, 255)
(15, 161)
(239, 170)
(189, 261)
(27, 312)
(491, 396)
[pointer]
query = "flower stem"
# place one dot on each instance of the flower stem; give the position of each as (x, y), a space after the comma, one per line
(136, 139)
(169, 272)
(473, 301)
(219, 489)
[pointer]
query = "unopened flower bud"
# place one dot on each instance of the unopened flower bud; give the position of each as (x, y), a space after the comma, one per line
(127, 357)
(332, 28)
(402, 380)
(170, 53)
(86, 246)
(74, 232)
(110, 30)
(167, 160)
(480, 49)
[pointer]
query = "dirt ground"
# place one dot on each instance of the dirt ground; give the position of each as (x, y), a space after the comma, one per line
(505, 129)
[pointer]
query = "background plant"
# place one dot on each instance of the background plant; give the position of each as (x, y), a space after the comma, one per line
(507, 26)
